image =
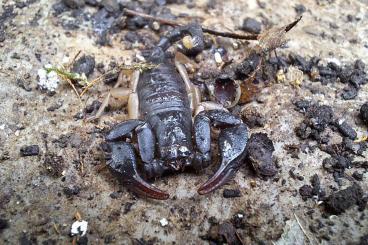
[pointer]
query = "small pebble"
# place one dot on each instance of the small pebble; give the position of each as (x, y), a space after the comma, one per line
(231, 193)
(218, 58)
(110, 5)
(115, 195)
(251, 25)
(300, 9)
(85, 64)
(74, 3)
(30, 150)
(349, 92)
(3, 224)
(155, 26)
(253, 183)
(358, 176)
(346, 130)
(71, 190)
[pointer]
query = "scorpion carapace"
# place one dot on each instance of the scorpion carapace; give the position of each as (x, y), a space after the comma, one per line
(161, 117)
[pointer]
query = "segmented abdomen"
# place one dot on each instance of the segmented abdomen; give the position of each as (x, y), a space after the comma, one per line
(164, 103)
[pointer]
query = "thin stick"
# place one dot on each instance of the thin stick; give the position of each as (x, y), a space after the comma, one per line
(73, 60)
(72, 85)
(301, 227)
(207, 30)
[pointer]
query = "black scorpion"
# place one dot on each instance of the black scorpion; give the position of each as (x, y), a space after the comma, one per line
(161, 117)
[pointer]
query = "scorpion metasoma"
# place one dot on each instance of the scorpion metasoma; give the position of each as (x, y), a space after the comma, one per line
(160, 105)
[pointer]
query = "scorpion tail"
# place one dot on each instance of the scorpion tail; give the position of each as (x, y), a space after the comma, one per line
(196, 42)
(123, 163)
(232, 144)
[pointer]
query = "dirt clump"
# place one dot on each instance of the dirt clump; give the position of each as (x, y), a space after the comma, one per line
(259, 154)
(223, 233)
(54, 165)
(364, 113)
(84, 65)
(342, 200)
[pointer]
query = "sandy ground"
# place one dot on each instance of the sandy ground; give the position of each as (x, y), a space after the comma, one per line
(35, 205)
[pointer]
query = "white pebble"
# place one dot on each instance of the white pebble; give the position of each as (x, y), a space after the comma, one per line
(49, 81)
(164, 222)
(79, 228)
(218, 58)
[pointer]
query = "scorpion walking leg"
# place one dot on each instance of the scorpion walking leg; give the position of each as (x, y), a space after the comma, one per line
(133, 104)
(127, 94)
(232, 143)
(209, 106)
(123, 160)
(192, 90)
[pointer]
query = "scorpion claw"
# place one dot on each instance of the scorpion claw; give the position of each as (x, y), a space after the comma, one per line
(142, 188)
(232, 144)
(123, 163)
(217, 180)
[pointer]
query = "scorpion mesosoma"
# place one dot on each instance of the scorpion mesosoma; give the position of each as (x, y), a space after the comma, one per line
(160, 114)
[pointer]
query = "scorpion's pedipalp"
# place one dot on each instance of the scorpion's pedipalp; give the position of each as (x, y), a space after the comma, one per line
(146, 142)
(202, 133)
(123, 129)
(123, 163)
(232, 144)
(221, 118)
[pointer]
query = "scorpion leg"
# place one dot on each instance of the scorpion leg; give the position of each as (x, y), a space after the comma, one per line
(123, 129)
(209, 106)
(127, 94)
(232, 143)
(133, 101)
(192, 90)
(123, 163)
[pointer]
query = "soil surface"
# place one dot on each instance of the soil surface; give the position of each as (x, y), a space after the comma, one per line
(52, 165)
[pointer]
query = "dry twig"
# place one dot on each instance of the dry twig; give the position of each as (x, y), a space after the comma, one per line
(206, 30)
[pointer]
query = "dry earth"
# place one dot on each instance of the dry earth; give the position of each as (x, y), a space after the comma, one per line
(34, 202)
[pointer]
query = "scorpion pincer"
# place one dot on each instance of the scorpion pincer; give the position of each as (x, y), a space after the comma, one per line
(160, 113)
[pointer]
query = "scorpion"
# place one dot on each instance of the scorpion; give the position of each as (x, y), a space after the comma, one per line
(161, 102)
